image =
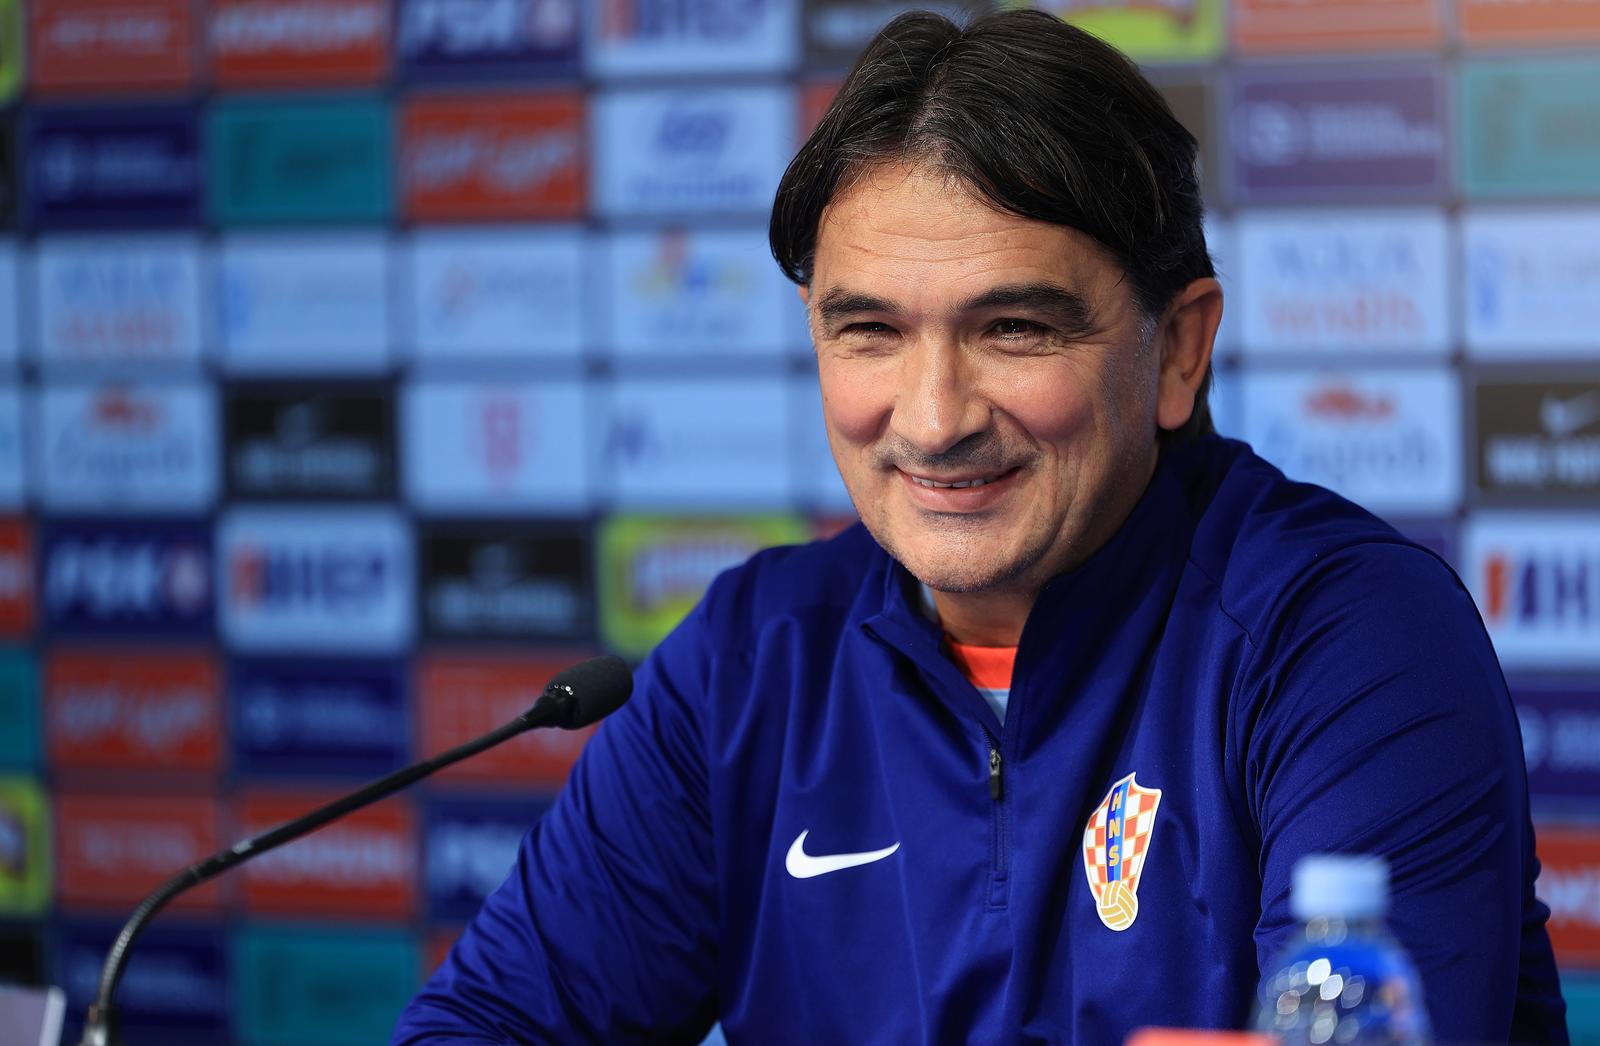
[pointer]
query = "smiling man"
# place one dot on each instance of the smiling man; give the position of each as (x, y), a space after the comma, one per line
(1030, 754)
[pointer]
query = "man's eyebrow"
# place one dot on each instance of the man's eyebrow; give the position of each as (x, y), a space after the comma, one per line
(838, 303)
(1068, 309)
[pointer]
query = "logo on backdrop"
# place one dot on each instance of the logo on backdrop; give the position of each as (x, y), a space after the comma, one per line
(511, 294)
(315, 579)
(116, 710)
(110, 578)
(317, 302)
(837, 31)
(12, 471)
(187, 989)
(459, 699)
(484, 39)
(495, 156)
(128, 299)
(1343, 132)
(1115, 844)
(310, 441)
(1490, 22)
(360, 865)
(1345, 282)
(113, 167)
(24, 847)
(262, 43)
(681, 292)
(1536, 579)
(1389, 440)
(654, 569)
(1539, 441)
(469, 847)
(1561, 743)
(137, 43)
(286, 162)
(16, 578)
(717, 442)
(127, 448)
(666, 153)
(1569, 882)
(506, 447)
(667, 36)
(1521, 127)
(319, 718)
(113, 848)
(10, 285)
(1275, 26)
(1528, 281)
(482, 581)
(10, 178)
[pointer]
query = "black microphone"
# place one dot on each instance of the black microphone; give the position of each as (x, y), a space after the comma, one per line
(583, 694)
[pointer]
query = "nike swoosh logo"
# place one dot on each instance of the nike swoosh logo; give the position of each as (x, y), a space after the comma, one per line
(802, 865)
(1562, 418)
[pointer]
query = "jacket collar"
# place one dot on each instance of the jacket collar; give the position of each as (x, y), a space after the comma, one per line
(1111, 606)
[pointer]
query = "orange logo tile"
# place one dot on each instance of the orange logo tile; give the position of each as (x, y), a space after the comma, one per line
(298, 42)
(1486, 23)
(1336, 25)
(93, 44)
(493, 156)
(1569, 882)
(133, 711)
(113, 849)
(16, 578)
(462, 698)
(364, 864)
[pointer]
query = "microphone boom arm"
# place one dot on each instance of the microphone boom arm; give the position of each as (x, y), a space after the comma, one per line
(558, 706)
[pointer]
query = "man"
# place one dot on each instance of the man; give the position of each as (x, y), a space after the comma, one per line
(1031, 755)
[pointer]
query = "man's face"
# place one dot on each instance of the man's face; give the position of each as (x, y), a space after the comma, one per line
(989, 386)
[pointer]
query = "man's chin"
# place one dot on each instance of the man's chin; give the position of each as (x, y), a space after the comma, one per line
(963, 571)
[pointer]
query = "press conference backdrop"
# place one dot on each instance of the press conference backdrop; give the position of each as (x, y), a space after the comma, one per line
(364, 361)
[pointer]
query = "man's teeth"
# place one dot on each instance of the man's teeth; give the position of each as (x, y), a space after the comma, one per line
(958, 485)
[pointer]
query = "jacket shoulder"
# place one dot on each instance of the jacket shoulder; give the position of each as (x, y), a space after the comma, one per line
(1263, 538)
(822, 579)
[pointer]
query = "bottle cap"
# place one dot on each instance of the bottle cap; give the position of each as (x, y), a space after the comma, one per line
(1340, 886)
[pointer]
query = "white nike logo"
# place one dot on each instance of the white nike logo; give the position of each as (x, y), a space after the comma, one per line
(1562, 418)
(802, 865)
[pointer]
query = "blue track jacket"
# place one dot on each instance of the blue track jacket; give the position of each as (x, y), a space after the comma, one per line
(1286, 671)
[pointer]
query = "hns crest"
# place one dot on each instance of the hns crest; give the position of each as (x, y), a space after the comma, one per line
(1115, 843)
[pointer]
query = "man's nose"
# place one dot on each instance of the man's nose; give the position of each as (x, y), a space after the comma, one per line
(938, 404)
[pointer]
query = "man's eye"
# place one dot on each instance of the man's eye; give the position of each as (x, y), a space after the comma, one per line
(870, 330)
(1012, 328)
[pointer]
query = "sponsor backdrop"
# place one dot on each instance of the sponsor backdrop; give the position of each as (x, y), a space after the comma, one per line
(365, 362)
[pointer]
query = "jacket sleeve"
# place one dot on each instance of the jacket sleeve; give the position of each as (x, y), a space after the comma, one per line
(1378, 722)
(605, 929)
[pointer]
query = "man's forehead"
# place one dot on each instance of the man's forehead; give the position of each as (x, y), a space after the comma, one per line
(896, 218)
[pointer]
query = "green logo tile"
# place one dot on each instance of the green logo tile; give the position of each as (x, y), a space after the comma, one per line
(303, 161)
(19, 710)
(298, 985)
(1529, 127)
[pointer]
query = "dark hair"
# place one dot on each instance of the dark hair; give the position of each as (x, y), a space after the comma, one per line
(1042, 119)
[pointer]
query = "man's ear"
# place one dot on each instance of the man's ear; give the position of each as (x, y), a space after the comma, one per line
(805, 294)
(1188, 331)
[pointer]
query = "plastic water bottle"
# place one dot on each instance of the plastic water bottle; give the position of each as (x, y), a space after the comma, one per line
(1343, 979)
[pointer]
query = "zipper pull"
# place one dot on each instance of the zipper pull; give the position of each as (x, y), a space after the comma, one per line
(994, 773)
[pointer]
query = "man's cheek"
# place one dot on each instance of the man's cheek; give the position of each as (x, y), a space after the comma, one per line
(855, 412)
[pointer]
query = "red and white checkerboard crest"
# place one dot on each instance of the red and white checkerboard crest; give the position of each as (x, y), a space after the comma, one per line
(1115, 843)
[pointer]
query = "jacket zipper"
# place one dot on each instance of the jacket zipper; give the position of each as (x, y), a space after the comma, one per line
(1000, 827)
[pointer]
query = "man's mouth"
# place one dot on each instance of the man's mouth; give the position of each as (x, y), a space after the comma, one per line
(956, 484)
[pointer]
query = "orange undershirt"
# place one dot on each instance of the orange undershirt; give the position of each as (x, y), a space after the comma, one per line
(988, 668)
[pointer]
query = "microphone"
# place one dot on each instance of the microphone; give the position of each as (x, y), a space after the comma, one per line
(578, 696)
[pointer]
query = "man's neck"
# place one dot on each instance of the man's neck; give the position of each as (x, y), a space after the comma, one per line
(984, 618)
